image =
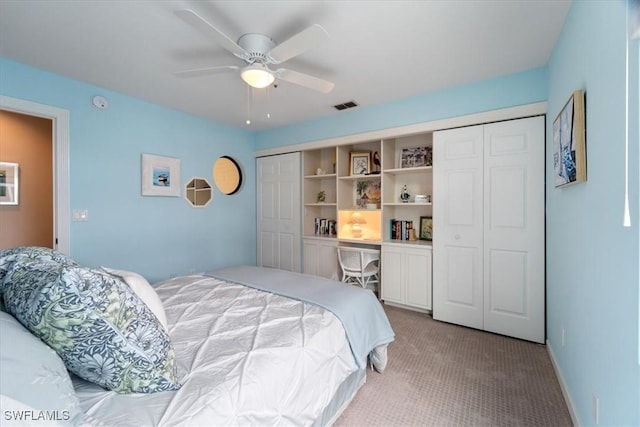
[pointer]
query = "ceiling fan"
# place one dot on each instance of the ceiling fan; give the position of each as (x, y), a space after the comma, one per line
(259, 51)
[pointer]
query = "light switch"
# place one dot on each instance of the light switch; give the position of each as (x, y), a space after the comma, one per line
(80, 215)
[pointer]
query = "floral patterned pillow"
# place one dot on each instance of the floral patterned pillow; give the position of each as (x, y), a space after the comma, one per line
(100, 328)
(9, 256)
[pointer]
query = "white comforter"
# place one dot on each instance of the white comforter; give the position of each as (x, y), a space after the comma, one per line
(245, 357)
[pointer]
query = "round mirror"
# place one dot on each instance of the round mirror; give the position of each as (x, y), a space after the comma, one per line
(227, 175)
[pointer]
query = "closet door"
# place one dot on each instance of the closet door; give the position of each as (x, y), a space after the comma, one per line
(278, 211)
(514, 297)
(457, 226)
(488, 227)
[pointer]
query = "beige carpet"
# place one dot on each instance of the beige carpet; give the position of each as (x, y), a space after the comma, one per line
(446, 375)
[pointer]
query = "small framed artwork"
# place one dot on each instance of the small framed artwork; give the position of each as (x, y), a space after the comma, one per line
(160, 176)
(426, 228)
(415, 157)
(360, 162)
(9, 183)
(569, 151)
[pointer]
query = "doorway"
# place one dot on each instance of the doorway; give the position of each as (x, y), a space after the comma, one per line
(26, 143)
(60, 162)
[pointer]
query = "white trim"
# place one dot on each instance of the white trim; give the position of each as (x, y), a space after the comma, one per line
(517, 112)
(563, 386)
(60, 135)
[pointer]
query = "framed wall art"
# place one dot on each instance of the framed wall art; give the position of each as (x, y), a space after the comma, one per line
(160, 176)
(360, 163)
(9, 183)
(414, 157)
(569, 147)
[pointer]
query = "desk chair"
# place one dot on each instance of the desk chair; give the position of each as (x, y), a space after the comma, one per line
(359, 266)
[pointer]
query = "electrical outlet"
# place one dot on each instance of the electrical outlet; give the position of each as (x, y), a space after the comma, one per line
(595, 407)
(562, 336)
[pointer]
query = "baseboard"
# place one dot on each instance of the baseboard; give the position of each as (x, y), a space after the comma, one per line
(407, 307)
(563, 386)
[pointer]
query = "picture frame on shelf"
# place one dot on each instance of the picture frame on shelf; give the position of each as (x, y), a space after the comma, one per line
(569, 152)
(160, 176)
(359, 163)
(426, 228)
(9, 183)
(367, 193)
(414, 157)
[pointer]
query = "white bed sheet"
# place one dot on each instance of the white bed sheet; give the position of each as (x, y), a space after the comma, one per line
(245, 357)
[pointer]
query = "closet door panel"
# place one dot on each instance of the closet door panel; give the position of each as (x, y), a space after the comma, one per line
(457, 225)
(278, 211)
(508, 272)
(514, 228)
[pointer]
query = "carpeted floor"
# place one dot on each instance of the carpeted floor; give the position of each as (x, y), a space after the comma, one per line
(446, 375)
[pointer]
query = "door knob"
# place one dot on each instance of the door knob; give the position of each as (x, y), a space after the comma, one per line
(457, 237)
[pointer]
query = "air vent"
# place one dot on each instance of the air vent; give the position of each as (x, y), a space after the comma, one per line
(346, 105)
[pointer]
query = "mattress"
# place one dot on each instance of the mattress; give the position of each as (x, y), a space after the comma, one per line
(245, 357)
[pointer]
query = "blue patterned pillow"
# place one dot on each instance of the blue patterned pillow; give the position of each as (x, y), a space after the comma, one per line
(100, 328)
(9, 256)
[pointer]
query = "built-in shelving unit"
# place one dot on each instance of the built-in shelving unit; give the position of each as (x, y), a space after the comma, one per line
(377, 194)
(363, 208)
(319, 192)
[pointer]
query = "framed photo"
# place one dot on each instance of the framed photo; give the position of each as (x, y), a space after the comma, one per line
(426, 228)
(360, 163)
(569, 151)
(414, 157)
(8, 183)
(160, 176)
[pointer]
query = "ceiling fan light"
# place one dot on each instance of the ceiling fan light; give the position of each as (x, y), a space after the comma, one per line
(257, 76)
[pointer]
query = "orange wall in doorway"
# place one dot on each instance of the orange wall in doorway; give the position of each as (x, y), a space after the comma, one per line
(27, 140)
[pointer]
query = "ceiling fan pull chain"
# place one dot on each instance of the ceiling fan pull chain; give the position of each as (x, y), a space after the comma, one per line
(248, 104)
(268, 102)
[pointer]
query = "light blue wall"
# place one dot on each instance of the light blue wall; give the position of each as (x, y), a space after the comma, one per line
(155, 236)
(516, 89)
(592, 261)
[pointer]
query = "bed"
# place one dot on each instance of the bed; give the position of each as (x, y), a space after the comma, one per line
(248, 346)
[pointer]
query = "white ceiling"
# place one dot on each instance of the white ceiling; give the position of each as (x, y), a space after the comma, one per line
(378, 51)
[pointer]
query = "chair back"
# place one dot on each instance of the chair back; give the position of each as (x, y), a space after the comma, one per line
(356, 259)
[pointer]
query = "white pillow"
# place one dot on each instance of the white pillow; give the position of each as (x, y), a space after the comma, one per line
(35, 383)
(144, 290)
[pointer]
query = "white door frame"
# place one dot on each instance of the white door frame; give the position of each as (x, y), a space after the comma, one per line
(60, 137)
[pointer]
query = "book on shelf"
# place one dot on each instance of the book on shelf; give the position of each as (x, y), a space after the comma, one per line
(324, 227)
(400, 229)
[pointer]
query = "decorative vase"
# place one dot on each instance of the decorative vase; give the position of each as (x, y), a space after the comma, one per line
(404, 196)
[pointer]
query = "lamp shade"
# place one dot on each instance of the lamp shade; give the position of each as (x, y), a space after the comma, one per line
(356, 218)
(257, 75)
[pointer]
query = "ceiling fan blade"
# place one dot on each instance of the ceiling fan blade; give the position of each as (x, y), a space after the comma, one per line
(206, 71)
(297, 44)
(305, 80)
(209, 30)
